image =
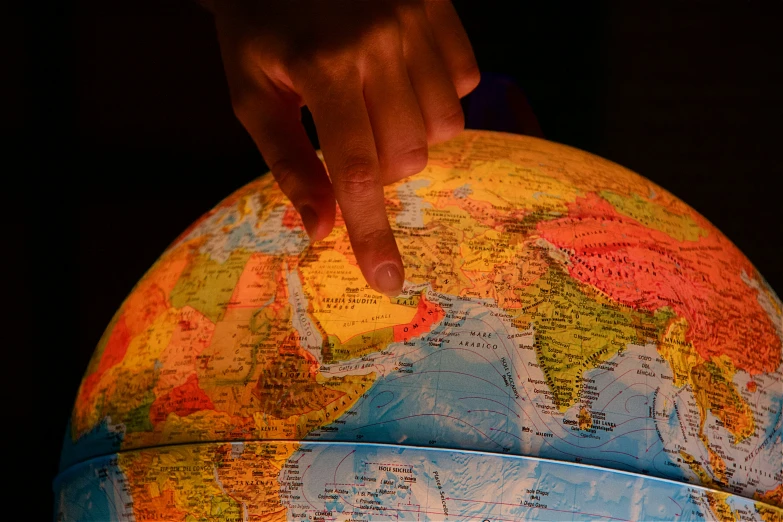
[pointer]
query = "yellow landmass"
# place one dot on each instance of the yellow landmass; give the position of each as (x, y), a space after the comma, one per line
(489, 250)
(720, 507)
(769, 513)
(456, 218)
(681, 227)
(127, 385)
(714, 389)
(207, 285)
(258, 281)
(351, 386)
(202, 425)
(146, 348)
(357, 346)
(341, 300)
(579, 169)
(531, 264)
(180, 357)
(504, 184)
(697, 468)
(576, 329)
(715, 499)
(208, 424)
(232, 358)
(97, 355)
(496, 264)
(259, 380)
(769, 505)
(188, 472)
(253, 478)
(407, 300)
(213, 482)
(428, 254)
(717, 464)
(261, 196)
(679, 352)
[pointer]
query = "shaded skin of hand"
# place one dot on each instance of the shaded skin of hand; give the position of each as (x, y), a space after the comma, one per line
(382, 79)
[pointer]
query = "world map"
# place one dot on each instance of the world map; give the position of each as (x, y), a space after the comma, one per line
(572, 342)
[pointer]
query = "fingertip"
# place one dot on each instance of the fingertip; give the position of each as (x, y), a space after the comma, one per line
(310, 221)
(318, 225)
(388, 279)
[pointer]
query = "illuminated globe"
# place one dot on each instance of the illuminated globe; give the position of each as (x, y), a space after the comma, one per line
(572, 343)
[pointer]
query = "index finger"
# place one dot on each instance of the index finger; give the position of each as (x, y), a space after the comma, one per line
(348, 145)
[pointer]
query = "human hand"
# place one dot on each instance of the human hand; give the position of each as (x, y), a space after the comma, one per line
(382, 79)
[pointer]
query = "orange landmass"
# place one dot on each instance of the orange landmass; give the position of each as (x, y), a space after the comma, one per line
(139, 311)
(751, 386)
(719, 506)
(258, 281)
(151, 296)
(192, 334)
(291, 346)
(287, 388)
(286, 377)
(113, 353)
(252, 479)
(717, 465)
(427, 315)
(206, 482)
(183, 400)
(148, 507)
(773, 496)
(175, 484)
(648, 269)
(769, 514)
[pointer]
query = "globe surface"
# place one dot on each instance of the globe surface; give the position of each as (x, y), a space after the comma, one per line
(572, 343)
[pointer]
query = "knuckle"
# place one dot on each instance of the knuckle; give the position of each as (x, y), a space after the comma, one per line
(369, 239)
(285, 173)
(454, 120)
(449, 125)
(319, 65)
(413, 159)
(357, 177)
(467, 79)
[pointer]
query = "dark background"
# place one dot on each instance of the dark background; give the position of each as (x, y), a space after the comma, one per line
(122, 119)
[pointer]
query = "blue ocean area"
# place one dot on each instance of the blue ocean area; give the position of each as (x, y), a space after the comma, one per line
(282, 240)
(462, 397)
(101, 440)
(90, 492)
(473, 485)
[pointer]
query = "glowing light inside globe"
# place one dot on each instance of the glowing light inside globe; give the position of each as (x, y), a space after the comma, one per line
(572, 343)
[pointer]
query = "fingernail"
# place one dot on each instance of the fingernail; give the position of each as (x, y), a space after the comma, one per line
(388, 279)
(309, 219)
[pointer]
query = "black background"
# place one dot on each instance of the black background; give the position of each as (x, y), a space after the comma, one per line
(121, 117)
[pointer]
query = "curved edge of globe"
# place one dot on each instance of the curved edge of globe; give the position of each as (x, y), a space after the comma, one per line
(107, 441)
(302, 479)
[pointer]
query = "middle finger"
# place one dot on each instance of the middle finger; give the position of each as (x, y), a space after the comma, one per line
(346, 137)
